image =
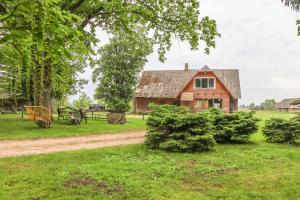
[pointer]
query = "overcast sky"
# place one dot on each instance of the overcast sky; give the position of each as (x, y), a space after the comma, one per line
(259, 38)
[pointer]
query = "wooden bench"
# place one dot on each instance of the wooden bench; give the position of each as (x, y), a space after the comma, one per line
(40, 115)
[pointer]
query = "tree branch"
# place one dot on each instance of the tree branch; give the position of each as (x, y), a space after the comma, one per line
(76, 5)
(294, 4)
(90, 16)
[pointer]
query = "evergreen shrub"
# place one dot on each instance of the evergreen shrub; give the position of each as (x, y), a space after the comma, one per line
(175, 129)
(277, 130)
(233, 127)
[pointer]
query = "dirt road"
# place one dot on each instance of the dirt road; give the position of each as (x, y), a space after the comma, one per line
(10, 148)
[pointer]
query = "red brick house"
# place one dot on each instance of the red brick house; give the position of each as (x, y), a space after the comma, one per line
(198, 90)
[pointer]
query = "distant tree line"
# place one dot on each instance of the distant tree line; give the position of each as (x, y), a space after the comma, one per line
(268, 104)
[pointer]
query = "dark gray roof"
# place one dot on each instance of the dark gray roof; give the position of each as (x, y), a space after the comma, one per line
(163, 84)
(169, 83)
(286, 103)
(296, 102)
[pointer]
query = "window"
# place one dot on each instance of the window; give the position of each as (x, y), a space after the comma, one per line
(208, 103)
(205, 83)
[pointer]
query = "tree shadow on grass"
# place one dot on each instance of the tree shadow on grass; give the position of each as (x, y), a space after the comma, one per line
(239, 142)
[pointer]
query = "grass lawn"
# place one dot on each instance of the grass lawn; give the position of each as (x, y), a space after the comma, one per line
(234, 172)
(14, 127)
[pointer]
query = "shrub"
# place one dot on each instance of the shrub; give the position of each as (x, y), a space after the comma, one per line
(279, 130)
(235, 127)
(296, 125)
(174, 128)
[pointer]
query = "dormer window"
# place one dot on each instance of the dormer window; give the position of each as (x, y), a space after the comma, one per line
(205, 83)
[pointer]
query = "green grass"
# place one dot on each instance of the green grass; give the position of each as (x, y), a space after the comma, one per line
(234, 172)
(14, 127)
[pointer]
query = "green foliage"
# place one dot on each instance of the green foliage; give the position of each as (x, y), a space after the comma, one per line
(162, 20)
(298, 24)
(233, 127)
(279, 130)
(117, 70)
(268, 104)
(174, 128)
(45, 43)
(83, 101)
(42, 48)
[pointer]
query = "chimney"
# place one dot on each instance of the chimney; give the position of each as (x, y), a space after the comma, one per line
(186, 67)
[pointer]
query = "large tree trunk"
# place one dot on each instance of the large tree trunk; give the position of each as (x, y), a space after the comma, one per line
(43, 91)
(46, 92)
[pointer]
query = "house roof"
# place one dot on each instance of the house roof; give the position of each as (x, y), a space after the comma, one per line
(170, 83)
(287, 103)
(296, 102)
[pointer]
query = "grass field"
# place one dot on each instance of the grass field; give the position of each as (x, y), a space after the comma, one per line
(14, 127)
(235, 172)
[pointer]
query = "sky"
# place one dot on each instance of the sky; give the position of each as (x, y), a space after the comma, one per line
(259, 37)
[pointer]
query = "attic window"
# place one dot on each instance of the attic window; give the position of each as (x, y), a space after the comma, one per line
(205, 83)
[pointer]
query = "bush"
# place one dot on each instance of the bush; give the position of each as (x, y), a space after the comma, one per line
(279, 130)
(235, 127)
(175, 129)
(295, 121)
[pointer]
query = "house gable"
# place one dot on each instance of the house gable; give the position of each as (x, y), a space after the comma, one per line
(219, 90)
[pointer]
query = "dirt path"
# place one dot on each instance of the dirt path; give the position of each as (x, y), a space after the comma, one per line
(11, 148)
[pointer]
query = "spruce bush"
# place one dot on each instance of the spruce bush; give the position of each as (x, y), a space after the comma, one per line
(234, 127)
(277, 130)
(175, 129)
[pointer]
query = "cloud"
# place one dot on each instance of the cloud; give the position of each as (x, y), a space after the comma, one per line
(283, 83)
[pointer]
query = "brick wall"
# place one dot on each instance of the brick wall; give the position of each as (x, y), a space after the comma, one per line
(219, 92)
(141, 104)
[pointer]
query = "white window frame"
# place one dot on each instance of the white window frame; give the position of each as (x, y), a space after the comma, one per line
(209, 88)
